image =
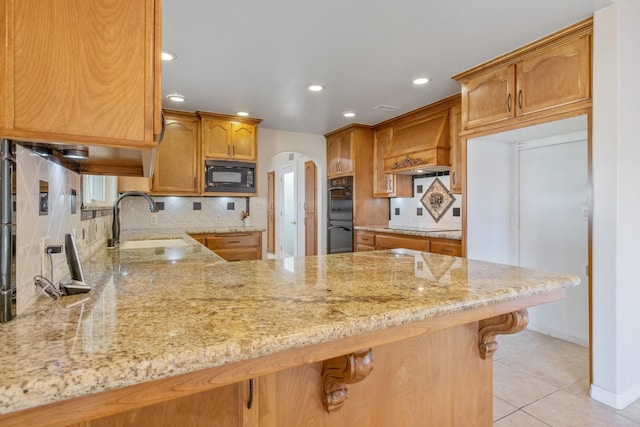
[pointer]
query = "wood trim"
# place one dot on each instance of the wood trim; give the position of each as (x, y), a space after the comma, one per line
(55, 138)
(230, 117)
(566, 34)
(508, 323)
(157, 69)
(136, 396)
(430, 109)
(347, 127)
(339, 371)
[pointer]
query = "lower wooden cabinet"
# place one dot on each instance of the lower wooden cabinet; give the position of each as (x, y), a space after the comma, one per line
(233, 246)
(369, 241)
(446, 247)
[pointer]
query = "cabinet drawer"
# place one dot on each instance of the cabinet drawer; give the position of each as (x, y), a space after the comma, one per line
(225, 241)
(453, 248)
(364, 248)
(240, 254)
(392, 242)
(365, 238)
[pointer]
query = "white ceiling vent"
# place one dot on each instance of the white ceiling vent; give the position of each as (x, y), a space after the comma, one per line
(386, 107)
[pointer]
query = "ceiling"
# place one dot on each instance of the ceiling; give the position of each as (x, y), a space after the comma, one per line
(259, 56)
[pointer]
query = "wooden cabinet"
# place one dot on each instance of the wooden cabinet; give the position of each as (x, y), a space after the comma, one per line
(393, 241)
(458, 168)
(365, 241)
(236, 246)
(350, 152)
(271, 217)
(228, 137)
(310, 214)
(177, 169)
(548, 77)
(446, 247)
(340, 154)
(81, 72)
(369, 241)
(385, 184)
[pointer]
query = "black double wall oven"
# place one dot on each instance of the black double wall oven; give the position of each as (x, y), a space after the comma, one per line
(340, 215)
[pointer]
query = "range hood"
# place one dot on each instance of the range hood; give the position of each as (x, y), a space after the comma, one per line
(99, 160)
(420, 146)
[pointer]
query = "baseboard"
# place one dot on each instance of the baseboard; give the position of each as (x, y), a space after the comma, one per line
(617, 401)
(557, 334)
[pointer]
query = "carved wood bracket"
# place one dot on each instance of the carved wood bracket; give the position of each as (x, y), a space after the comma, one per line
(509, 323)
(339, 371)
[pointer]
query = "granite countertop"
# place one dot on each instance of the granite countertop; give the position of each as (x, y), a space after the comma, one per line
(158, 312)
(413, 231)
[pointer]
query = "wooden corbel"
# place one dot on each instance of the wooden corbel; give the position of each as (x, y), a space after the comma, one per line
(339, 371)
(509, 323)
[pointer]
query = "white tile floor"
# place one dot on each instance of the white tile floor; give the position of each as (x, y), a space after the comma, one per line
(543, 381)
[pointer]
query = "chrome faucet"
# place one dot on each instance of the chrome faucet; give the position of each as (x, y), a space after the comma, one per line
(116, 211)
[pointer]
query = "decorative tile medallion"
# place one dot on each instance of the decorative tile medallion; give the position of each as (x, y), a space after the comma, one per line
(437, 200)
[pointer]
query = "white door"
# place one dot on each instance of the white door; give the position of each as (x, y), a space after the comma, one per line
(289, 212)
(553, 222)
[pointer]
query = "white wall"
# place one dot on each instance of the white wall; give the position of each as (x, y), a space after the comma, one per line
(272, 142)
(489, 201)
(553, 231)
(616, 203)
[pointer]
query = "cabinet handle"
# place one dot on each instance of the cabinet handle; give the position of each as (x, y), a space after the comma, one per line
(445, 250)
(509, 103)
(250, 401)
(233, 150)
(228, 150)
(453, 177)
(234, 241)
(389, 187)
(520, 99)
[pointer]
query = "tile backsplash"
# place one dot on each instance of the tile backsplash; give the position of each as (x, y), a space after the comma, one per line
(405, 212)
(61, 218)
(182, 212)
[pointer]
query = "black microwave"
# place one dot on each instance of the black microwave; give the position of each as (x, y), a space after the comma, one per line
(227, 176)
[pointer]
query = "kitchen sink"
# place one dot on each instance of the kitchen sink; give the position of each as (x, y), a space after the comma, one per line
(152, 243)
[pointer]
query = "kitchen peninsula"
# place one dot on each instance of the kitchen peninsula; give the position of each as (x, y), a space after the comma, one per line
(172, 335)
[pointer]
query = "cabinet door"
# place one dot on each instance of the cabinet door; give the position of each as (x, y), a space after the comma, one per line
(388, 241)
(488, 98)
(80, 71)
(176, 170)
(271, 218)
(339, 154)
(384, 184)
(456, 173)
(555, 77)
(333, 156)
(216, 138)
(243, 141)
(310, 233)
(310, 214)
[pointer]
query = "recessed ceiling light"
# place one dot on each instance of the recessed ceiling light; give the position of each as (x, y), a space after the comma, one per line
(349, 114)
(168, 56)
(243, 113)
(175, 97)
(315, 88)
(421, 81)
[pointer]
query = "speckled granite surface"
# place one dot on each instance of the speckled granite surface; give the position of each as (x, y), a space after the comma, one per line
(159, 312)
(442, 234)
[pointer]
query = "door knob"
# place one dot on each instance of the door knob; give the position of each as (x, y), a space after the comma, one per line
(293, 222)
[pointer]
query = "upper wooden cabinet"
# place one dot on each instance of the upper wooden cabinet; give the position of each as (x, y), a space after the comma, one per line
(229, 137)
(177, 161)
(350, 152)
(458, 165)
(548, 77)
(385, 184)
(340, 154)
(78, 71)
